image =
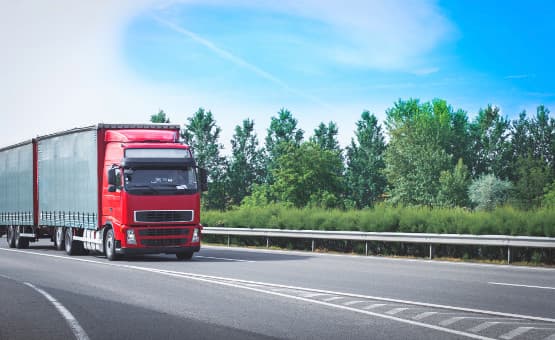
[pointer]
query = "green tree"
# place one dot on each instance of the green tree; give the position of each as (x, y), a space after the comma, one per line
(416, 155)
(365, 162)
(246, 166)
(159, 117)
(533, 176)
(453, 191)
(326, 136)
(490, 143)
(308, 174)
(202, 134)
(282, 134)
(488, 192)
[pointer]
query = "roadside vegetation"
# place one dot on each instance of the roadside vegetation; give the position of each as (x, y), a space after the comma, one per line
(428, 168)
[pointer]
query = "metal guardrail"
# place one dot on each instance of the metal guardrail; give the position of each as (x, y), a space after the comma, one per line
(430, 239)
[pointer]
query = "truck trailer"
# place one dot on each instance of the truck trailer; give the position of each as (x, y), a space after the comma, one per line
(117, 189)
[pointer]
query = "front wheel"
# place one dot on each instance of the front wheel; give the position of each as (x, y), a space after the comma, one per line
(186, 255)
(10, 237)
(110, 245)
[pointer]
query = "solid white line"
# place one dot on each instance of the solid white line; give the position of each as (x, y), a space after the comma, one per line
(77, 330)
(313, 295)
(451, 321)
(360, 296)
(518, 285)
(515, 332)
(410, 322)
(222, 258)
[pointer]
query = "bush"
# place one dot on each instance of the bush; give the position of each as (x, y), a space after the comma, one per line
(504, 220)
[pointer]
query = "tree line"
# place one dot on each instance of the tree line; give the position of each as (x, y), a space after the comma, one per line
(425, 154)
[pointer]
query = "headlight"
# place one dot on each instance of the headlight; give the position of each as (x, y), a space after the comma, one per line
(131, 236)
(196, 237)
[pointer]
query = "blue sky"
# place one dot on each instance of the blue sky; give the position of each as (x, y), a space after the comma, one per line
(323, 60)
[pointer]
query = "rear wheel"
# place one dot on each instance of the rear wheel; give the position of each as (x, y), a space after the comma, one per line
(20, 242)
(10, 236)
(59, 238)
(186, 255)
(72, 247)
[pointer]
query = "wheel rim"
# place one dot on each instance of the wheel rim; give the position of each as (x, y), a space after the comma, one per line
(109, 243)
(59, 234)
(68, 239)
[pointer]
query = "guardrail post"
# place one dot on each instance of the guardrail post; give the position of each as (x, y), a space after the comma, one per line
(366, 248)
(508, 255)
(312, 245)
(431, 251)
(228, 240)
(267, 242)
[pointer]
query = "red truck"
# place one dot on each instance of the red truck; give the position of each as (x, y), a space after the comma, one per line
(118, 189)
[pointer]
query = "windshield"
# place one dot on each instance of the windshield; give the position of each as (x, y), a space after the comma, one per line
(160, 181)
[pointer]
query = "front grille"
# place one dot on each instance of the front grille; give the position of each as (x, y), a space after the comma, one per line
(162, 232)
(164, 216)
(163, 242)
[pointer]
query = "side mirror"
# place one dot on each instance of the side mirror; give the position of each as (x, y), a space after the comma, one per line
(112, 176)
(203, 177)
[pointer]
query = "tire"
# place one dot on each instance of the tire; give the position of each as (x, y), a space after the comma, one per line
(72, 247)
(110, 245)
(59, 238)
(10, 236)
(186, 255)
(20, 242)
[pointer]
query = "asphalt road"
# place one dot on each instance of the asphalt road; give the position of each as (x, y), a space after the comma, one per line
(236, 293)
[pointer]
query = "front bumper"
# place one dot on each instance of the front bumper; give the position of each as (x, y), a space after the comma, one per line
(156, 250)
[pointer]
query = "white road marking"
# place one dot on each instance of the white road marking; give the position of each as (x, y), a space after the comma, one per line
(333, 298)
(518, 285)
(350, 303)
(375, 305)
(451, 321)
(551, 337)
(423, 315)
(313, 295)
(221, 258)
(369, 297)
(76, 328)
(395, 311)
(482, 326)
(515, 332)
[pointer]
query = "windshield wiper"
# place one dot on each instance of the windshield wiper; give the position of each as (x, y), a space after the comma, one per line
(145, 186)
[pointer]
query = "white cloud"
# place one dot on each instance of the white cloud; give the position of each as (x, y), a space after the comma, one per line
(62, 65)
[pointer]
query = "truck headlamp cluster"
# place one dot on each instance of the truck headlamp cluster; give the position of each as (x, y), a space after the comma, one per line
(196, 237)
(131, 236)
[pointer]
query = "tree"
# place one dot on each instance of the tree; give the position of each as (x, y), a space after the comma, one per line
(365, 162)
(453, 191)
(308, 174)
(246, 166)
(488, 192)
(490, 143)
(326, 136)
(282, 134)
(202, 134)
(416, 155)
(160, 117)
(533, 176)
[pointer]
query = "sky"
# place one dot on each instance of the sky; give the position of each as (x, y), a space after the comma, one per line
(65, 63)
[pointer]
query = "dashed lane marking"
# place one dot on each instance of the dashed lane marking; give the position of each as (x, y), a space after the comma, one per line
(333, 298)
(374, 305)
